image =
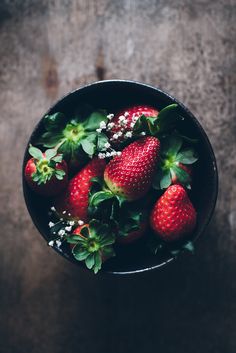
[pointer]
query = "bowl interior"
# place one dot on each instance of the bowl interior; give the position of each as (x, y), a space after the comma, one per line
(113, 95)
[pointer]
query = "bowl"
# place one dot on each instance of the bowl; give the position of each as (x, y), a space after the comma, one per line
(113, 95)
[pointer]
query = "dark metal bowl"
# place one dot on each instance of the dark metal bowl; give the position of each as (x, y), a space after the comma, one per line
(112, 95)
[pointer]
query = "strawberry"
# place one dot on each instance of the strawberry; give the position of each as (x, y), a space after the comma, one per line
(92, 243)
(46, 173)
(130, 174)
(124, 121)
(133, 235)
(173, 215)
(73, 202)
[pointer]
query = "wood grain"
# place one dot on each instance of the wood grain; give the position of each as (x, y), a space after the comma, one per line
(50, 47)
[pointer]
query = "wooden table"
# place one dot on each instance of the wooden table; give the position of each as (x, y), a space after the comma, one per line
(50, 47)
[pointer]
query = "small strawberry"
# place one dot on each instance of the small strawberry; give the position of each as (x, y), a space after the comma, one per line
(133, 235)
(130, 174)
(173, 215)
(175, 163)
(123, 122)
(92, 243)
(73, 202)
(46, 173)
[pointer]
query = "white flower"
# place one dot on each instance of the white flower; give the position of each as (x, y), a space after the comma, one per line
(124, 122)
(61, 232)
(128, 134)
(71, 223)
(99, 130)
(68, 229)
(126, 114)
(53, 208)
(80, 223)
(108, 154)
(115, 136)
(51, 243)
(64, 212)
(119, 133)
(51, 224)
(134, 119)
(143, 133)
(121, 118)
(113, 153)
(110, 126)
(58, 242)
(118, 153)
(110, 116)
(102, 125)
(107, 145)
(101, 155)
(132, 125)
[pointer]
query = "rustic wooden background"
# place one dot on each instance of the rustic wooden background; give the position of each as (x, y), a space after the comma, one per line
(50, 47)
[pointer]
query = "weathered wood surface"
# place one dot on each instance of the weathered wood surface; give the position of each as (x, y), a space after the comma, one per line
(50, 47)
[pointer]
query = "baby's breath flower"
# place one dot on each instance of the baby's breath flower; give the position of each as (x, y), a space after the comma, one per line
(143, 133)
(71, 223)
(115, 136)
(126, 114)
(108, 154)
(53, 208)
(128, 134)
(51, 243)
(51, 224)
(118, 153)
(61, 232)
(102, 125)
(68, 229)
(107, 145)
(58, 242)
(101, 155)
(110, 116)
(99, 130)
(80, 223)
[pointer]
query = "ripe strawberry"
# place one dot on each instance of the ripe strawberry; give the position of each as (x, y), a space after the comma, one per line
(46, 173)
(173, 215)
(130, 174)
(125, 120)
(73, 202)
(92, 243)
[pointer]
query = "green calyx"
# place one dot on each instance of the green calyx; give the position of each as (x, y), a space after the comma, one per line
(154, 126)
(93, 245)
(173, 157)
(46, 165)
(78, 137)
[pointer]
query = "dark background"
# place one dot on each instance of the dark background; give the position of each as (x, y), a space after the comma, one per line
(50, 47)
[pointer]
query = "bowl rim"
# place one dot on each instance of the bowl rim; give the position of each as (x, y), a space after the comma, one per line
(203, 133)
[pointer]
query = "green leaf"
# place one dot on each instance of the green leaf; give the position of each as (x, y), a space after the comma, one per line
(165, 180)
(97, 262)
(100, 196)
(172, 145)
(97, 180)
(54, 122)
(167, 116)
(182, 176)
(89, 261)
(84, 232)
(50, 139)
(59, 174)
(187, 156)
(58, 158)
(80, 254)
(102, 139)
(93, 121)
(189, 246)
(121, 199)
(35, 152)
(88, 146)
(50, 153)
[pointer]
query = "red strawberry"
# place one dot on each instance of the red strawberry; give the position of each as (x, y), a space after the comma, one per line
(92, 243)
(133, 235)
(46, 173)
(130, 174)
(73, 203)
(125, 120)
(173, 215)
